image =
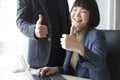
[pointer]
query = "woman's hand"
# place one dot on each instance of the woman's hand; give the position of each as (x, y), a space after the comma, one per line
(46, 71)
(71, 43)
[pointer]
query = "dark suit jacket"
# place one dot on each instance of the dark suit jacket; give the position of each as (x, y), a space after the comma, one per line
(95, 65)
(27, 15)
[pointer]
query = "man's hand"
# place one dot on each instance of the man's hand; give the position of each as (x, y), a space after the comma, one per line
(41, 31)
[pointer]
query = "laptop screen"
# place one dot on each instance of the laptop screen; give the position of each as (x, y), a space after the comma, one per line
(26, 68)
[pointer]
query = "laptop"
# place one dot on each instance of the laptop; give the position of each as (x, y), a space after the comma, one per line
(34, 76)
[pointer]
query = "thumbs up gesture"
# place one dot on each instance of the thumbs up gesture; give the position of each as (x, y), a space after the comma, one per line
(41, 31)
(69, 42)
(72, 30)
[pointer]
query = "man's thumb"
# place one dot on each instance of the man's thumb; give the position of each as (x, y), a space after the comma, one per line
(40, 19)
(72, 30)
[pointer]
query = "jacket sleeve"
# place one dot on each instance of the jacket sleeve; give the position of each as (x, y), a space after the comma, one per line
(25, 18)
(96, 51)
(60, 70)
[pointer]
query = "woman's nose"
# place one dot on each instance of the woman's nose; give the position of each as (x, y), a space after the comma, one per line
(77, 14)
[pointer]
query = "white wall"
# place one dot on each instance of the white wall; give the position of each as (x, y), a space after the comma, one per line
(112, 14)
(70, 2)
(118, 14)
(7, 26)
(7, 20)
(103, 8)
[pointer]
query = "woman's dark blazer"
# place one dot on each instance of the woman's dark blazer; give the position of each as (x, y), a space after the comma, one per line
(96, 51)
(27, 15)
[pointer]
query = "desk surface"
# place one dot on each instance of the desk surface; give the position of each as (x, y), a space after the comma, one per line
(66, 77)
(73, 78)
(6, 72)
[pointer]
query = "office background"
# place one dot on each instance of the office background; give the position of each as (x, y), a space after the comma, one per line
(12, 42)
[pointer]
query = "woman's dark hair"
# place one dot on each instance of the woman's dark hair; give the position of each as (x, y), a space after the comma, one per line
(92, 7)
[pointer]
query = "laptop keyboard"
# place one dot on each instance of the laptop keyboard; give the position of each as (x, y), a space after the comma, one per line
(40, 78)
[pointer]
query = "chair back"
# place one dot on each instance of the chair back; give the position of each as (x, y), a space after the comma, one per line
(113, 57)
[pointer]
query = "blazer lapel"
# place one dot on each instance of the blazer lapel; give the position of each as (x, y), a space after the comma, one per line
(68, 57)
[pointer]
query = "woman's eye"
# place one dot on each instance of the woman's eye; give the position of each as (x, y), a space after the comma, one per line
(74, 9)
(84, 11)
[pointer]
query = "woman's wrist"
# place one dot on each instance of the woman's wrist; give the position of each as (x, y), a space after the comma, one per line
(56, 69)
(81, 51)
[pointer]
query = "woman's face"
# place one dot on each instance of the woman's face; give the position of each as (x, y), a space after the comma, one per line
(79, 17)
